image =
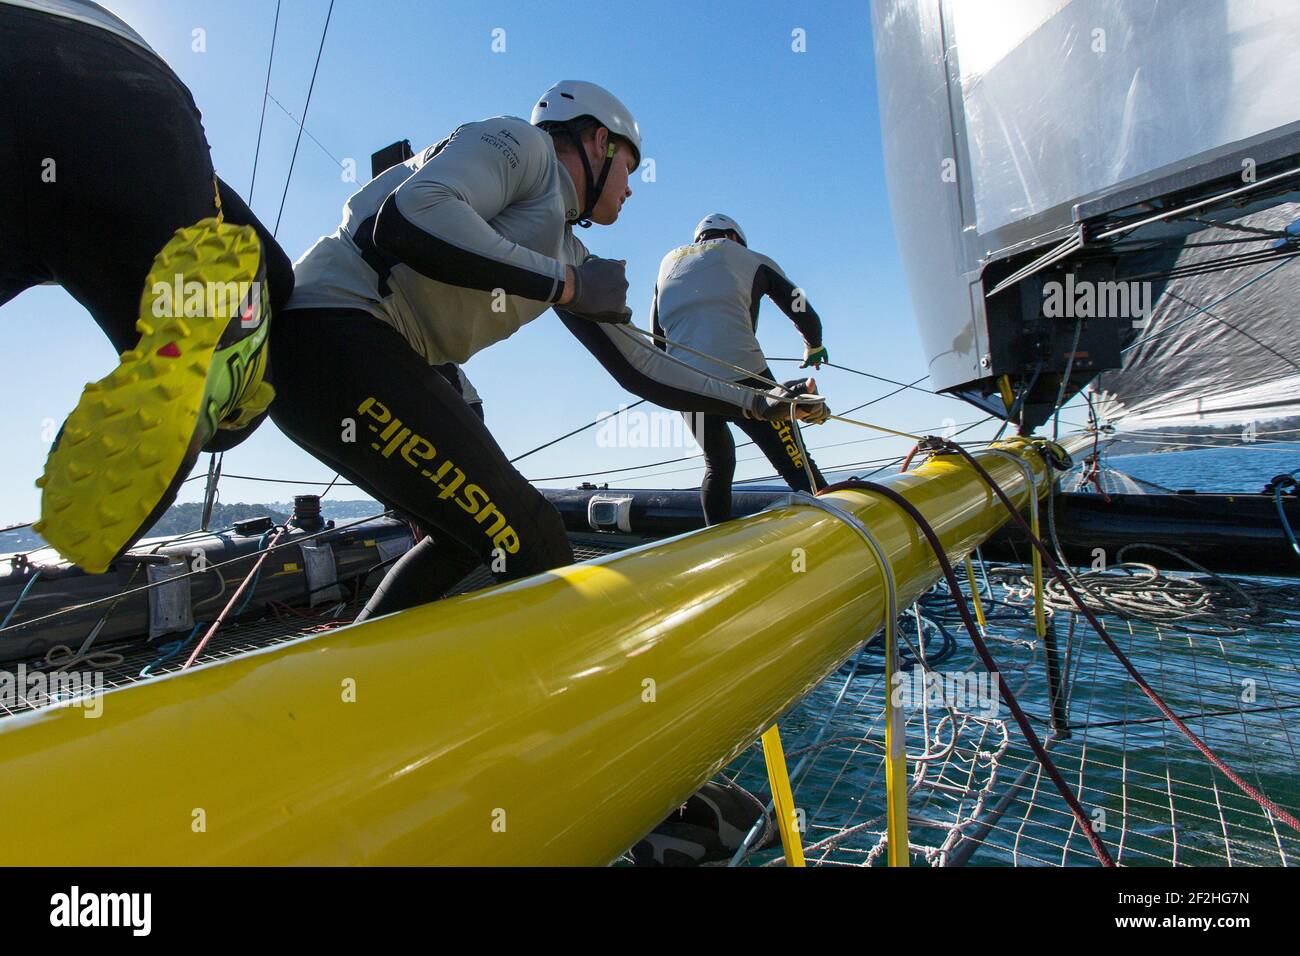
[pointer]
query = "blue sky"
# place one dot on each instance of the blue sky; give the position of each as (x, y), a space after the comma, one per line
(735, 120)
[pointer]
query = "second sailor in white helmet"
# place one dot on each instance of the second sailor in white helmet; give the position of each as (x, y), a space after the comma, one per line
(436, 259)
(706, 303)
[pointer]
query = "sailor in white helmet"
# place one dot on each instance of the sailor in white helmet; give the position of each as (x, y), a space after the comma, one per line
(436, 259)
(706, 303)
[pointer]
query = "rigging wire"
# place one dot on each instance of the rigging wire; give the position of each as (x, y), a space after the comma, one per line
(1174, 394)
(1222, 321)
(800, 400)
(266, 92)
(288, 481)
(746, 444)
(1285, 446)
(1142, 340)
(891, 462)
(677, 471)
(1181, 211)
(673, 461)
(858, 408)
(310, 135)
(215, 460)
(1153, 245)
(330, 485)
(878, 378)
(1211, 266)
(576, 431)
(1241, 227)
(1154, 434)
(311, 87)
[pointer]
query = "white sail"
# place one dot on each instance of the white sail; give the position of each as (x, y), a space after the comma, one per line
(1026, 141)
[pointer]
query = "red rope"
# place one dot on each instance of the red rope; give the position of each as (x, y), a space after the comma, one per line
(908, 460)
(982, 649)
(1092, 475)
(1051, 564)
(1092, 467)
(234, 599)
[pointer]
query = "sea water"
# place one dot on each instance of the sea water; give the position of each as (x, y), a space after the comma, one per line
(1237, 468)
(1162, 801)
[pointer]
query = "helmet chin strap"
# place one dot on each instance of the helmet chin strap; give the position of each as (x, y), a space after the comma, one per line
(594, 186)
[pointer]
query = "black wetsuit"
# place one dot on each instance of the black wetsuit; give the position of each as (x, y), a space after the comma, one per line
(103, 157)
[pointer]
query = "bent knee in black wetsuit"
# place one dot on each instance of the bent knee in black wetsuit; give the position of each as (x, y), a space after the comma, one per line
(104, 157)
(350, 390)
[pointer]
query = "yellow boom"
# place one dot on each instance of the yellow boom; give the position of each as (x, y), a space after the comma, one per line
(553, 720)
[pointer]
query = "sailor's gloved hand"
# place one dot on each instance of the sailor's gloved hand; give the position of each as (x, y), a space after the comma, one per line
(814, 413)
(774, 404)
(815, 356)
(600, 290)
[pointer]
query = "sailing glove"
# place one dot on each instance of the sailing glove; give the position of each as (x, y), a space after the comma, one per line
(774, 404)
(600, 291)
(815, 356)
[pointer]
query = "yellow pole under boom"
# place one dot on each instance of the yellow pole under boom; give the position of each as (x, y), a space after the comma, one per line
(787, 815)
(553, 720)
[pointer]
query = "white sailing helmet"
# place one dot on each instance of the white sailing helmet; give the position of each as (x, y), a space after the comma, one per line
(572, 99)
(716, 221)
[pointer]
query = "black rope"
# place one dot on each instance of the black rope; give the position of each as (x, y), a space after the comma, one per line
(982, 650)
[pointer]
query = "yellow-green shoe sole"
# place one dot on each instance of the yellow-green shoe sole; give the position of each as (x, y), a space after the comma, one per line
(135, 433)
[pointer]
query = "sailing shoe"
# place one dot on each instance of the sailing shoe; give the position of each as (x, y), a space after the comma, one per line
(197, 377)
(708, 828)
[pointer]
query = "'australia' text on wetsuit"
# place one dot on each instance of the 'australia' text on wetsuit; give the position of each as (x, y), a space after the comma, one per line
(418, 452)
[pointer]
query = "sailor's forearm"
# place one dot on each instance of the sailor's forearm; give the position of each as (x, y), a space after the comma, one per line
(650, 374)
(479, 258)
